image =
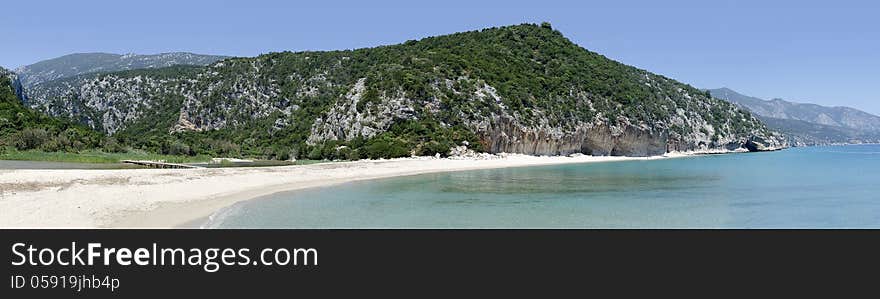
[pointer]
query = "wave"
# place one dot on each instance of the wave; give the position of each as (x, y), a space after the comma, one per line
(217, 219)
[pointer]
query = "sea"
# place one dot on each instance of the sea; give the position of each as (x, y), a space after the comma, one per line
(809, 187)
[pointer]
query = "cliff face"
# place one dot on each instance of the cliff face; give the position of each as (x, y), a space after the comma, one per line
(504, 135)
(518, 89)
(500, 129)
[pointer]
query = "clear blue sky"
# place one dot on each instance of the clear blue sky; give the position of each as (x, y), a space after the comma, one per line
(826, 52)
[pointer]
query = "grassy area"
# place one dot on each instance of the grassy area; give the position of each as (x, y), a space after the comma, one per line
(94, 156)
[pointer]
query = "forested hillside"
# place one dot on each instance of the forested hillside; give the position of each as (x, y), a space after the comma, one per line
(520, 89)
(25, 129)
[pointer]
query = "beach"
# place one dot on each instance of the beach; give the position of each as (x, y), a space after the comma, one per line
(167, 198)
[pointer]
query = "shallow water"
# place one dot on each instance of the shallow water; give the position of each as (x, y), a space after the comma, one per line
(818, 187)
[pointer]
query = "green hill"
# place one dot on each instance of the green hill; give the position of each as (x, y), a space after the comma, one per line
(519, 89)
(26, 129)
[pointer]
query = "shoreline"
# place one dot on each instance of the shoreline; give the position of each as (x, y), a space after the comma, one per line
(180, 198)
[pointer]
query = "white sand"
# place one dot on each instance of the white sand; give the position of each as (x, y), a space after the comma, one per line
(173, 197)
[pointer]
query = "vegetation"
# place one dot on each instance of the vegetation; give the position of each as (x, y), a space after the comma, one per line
(25, 129)
(95, 156)
(540, 78)
(29, 135)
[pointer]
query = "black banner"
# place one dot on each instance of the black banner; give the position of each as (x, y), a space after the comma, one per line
(420, 262)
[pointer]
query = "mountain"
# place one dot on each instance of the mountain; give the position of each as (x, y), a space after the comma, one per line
(83, 63)
(516, 89)
(803, 133)
(24, 128)
(809, 124)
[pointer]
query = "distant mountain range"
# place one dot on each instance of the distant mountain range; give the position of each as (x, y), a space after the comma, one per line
(809, 124)
(83, 63)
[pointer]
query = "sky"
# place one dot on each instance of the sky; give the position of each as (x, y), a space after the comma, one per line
(823, 52)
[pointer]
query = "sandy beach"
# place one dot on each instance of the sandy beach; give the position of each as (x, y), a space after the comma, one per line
(165, 198)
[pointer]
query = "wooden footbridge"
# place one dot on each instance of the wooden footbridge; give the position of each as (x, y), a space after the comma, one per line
(159, 164)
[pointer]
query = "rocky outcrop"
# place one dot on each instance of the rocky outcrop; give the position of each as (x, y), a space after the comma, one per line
(760, 144)
(19, 89)
(346, 121)
(504, 135)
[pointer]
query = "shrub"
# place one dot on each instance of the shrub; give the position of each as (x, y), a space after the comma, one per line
(386, 146)
(177, 148)
(222, 147)
(54, 144)
(433, 147)
(316, 153)
(111, 145)
(29, 138)
(353, 155)
(282, 154)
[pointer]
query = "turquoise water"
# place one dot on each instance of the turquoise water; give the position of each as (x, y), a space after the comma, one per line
(817, 187)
